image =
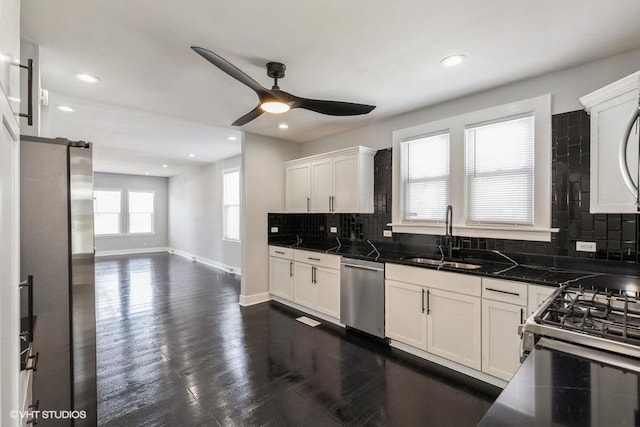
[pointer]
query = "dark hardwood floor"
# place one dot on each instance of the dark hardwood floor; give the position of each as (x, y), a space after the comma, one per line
(176, 349)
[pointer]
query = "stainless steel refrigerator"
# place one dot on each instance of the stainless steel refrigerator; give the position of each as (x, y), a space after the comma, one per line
(57, 248)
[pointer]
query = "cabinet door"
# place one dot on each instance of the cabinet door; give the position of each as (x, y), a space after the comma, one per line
(328, 291)
(537, 295)
(500, 339)
(405, 313)
(303, 287)
(298, 187)
(321, 185)
(453, 327)
(10, 50)
(346, 184)
(281, 277)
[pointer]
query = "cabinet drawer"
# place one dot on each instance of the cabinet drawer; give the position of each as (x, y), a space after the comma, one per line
(317, 258)
(454, 282)
(280, 252)
(505, 291)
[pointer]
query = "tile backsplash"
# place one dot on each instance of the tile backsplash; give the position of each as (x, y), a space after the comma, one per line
(616, 236)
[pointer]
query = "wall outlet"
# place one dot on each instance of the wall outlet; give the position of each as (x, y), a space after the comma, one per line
(274, 229)
(387, 233)
(333, 229)
(586, 246)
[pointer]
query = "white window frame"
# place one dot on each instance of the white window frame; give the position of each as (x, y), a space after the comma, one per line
(540, 230)
(120, 224)
(153, 216)
(224, 206)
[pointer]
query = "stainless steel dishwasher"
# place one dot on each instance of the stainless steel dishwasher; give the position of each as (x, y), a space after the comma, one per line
(362, 295)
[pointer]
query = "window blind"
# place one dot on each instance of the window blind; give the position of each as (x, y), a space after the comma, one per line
(106, 207)
(231, 203)
(425, 178)
(499, 160)
(141, 208)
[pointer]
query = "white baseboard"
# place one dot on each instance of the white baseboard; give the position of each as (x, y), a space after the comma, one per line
(206, 261)
(449, 364)
(307, 310)
(247, 300)
(131, 251)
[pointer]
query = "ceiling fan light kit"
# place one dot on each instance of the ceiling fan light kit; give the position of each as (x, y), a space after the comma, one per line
(278, 101)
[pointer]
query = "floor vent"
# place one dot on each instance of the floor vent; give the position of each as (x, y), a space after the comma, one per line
(307, 321)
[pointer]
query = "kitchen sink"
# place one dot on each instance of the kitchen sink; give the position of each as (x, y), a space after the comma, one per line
(442, 263)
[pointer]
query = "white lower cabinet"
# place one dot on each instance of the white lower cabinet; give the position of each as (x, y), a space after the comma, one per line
(500, 339)
(453, 327)
(405, 314)
(303, 285)
(327, 291)
(281, 277)
(537, 295)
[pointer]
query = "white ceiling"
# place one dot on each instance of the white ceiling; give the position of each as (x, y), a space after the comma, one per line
(381, 53)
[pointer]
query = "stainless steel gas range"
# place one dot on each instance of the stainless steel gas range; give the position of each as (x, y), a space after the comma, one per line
(599, 325)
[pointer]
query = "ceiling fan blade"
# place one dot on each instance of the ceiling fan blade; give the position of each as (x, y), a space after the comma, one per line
(230, 69)
(248, 117)
(333, 108)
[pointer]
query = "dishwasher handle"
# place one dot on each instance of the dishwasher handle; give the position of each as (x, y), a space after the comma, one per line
(362, 267)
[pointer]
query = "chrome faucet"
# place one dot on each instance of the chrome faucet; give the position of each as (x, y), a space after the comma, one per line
(448, 225)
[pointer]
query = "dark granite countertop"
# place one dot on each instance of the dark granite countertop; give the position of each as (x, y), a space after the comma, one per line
(556, 388)
(541, 270)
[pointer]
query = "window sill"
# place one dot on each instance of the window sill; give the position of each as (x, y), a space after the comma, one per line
(484, 231)
(121, 236)
(226, 239)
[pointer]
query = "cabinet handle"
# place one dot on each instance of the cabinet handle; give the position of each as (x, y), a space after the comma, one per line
(428, 303)
(308, 204)
(521, 316)
(333, 203)
(423, 300)
(290, 268)
(313, 259)
(279, 252)
(34, 365)
(29, 114)
(313, 275)
(330, 204)
(503, 292)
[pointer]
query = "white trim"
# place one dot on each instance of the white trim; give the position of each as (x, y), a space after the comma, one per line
(206, 261)
(448, 364)
(131, 251)
(612, 90)
(307, 310)
(247, 300)
(541, 107)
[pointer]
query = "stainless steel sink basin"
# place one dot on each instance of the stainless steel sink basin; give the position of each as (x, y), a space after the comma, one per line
(441, 263)
(420, 260)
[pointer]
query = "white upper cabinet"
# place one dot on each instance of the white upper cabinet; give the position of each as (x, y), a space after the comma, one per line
(298, 183)
(10, 52)
(611, 109)
(336, 182)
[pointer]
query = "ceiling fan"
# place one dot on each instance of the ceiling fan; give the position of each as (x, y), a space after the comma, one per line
(275, 100)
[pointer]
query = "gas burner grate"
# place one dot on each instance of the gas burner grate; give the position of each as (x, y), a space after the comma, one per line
(595, 313)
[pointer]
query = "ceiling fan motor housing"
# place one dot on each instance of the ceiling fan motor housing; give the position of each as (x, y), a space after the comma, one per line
(275, 70)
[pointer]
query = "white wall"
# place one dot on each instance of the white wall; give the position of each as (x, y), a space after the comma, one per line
(263, 192)
(566, 87)
(195, 216)
(135, 243)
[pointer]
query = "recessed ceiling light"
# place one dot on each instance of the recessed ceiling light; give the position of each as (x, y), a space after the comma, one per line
(232, 138)
(146, 173)
(66, 108)
(88, 78)
(283, 126)
(191, 155)
(13, 98)
(165, 166)
(453, 60)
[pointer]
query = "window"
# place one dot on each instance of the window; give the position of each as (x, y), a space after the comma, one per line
(231, 204)
(500, 172)
(106, 206)
(425, 178)
(493, 166)
(141, 209)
